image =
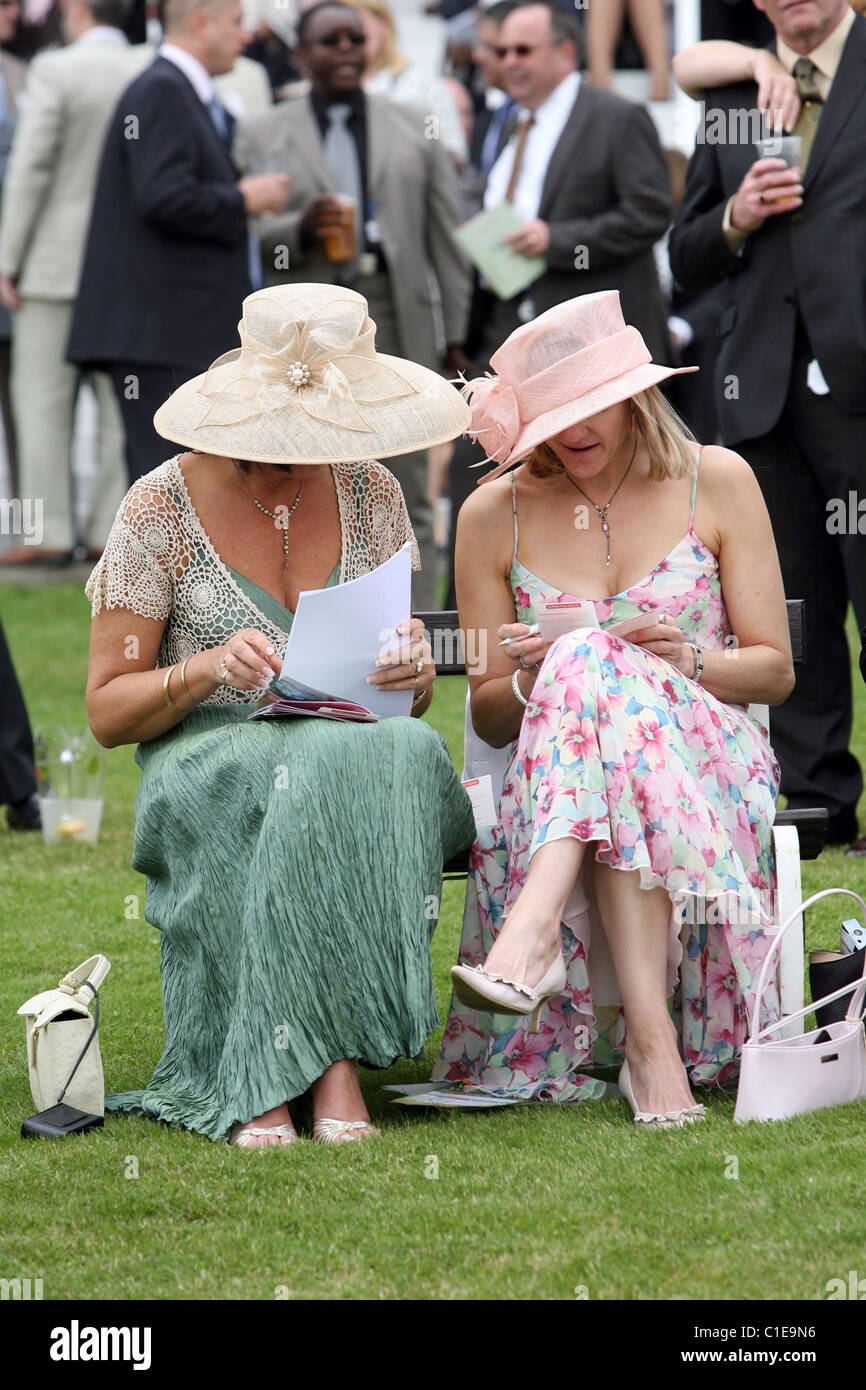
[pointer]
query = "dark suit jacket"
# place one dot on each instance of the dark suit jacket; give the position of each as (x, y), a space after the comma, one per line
(166, 264)
(607, 190)
(813, 257)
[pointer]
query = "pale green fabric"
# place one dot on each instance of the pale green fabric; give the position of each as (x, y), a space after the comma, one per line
(292, 870)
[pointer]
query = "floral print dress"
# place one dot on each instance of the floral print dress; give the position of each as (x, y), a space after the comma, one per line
(620, 748)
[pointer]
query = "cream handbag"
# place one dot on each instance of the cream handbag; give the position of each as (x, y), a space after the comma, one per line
(781, 1077)
(62, 1045)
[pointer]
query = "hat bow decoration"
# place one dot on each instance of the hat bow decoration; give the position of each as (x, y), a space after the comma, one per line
(326, 364)
(495, 415)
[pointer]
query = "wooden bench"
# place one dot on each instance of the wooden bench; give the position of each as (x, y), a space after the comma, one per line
(797, 834)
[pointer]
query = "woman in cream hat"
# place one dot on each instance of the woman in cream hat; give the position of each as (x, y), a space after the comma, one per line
(289, 862)
(639, 784)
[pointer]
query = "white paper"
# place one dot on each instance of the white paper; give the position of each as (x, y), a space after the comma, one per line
(622, 629)
(338, 633)
(556, 619)
(815, 379)
(480, 791)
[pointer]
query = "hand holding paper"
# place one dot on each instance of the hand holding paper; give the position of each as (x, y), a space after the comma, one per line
(336, 634)
(505, 269)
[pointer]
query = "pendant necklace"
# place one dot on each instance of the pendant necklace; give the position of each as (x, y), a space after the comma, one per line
(282, 520)
(602, 511)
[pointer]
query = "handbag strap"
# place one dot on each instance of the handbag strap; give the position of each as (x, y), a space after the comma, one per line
(91, 972)
(80, 1058)
(755, 1031)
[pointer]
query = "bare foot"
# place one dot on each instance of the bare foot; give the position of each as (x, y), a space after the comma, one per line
(269, 1120)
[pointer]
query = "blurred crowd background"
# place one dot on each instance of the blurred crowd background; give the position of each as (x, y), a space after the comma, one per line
(65, 64)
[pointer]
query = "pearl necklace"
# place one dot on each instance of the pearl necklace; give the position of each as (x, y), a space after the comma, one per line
(602, 511)
(281, 521)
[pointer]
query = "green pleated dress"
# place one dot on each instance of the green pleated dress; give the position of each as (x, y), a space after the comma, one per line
(291, 871)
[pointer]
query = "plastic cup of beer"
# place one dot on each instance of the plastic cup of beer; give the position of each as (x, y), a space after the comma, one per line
(787, 147)
(340, 244)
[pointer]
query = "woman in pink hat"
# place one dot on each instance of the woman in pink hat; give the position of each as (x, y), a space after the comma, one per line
(633, 852)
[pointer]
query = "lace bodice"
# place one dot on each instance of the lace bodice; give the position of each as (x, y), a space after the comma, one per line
(159, 562)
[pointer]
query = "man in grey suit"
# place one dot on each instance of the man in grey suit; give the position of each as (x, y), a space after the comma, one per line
(47, 198)
(338, 141)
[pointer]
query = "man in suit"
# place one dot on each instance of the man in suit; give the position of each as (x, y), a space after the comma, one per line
(167, 263)
(337, 140)
(13, 75)
(584, 171)
(48, 194)
(791, 377)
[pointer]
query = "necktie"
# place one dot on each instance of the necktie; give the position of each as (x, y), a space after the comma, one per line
(519, 147)
(223, 124)
(813, 105)
(221, 119)
(344, 165)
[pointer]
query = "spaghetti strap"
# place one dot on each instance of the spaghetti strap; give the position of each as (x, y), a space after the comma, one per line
(514, 510)
(694, 489)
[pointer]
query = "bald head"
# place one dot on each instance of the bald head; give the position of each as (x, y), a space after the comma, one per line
(175, 15)
(211, 30)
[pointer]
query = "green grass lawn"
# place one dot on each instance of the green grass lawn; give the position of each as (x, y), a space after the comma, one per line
(529, 1203)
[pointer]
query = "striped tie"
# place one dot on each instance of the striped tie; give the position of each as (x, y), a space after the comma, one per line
(519, 147)
(813, 106)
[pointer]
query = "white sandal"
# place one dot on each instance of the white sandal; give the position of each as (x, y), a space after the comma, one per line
(241, 1137)
(332, 1131)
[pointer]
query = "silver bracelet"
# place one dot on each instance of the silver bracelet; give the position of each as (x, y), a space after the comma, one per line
(699, 661)
(515, 686)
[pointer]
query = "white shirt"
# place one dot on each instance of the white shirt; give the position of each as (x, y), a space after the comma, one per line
(550, 121)
(192, 69)
(103, 33)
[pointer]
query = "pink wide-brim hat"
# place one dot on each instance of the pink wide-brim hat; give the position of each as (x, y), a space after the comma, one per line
(573, 361)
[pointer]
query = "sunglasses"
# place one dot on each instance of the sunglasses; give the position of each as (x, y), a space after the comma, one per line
(330, 40)
(520, 50)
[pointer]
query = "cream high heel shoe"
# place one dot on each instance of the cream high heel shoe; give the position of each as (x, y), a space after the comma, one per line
(241, 1138)
(669, 1119)
(342, 1131)
(479, 989)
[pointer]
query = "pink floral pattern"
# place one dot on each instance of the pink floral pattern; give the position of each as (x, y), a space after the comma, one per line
(619, 748)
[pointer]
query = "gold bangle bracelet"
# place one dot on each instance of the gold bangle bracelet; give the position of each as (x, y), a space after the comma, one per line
(168, 700)
(190, 697)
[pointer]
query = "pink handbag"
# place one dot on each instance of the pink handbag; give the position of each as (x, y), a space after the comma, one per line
(781, 1077)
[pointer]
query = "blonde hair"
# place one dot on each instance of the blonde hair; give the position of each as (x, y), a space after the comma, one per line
(392, 56)
(663, 433)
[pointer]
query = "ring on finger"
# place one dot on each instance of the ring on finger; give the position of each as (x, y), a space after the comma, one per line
(761, 198)
(419, 666)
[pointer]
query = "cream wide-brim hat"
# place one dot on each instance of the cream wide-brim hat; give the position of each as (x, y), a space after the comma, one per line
(307, 386)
